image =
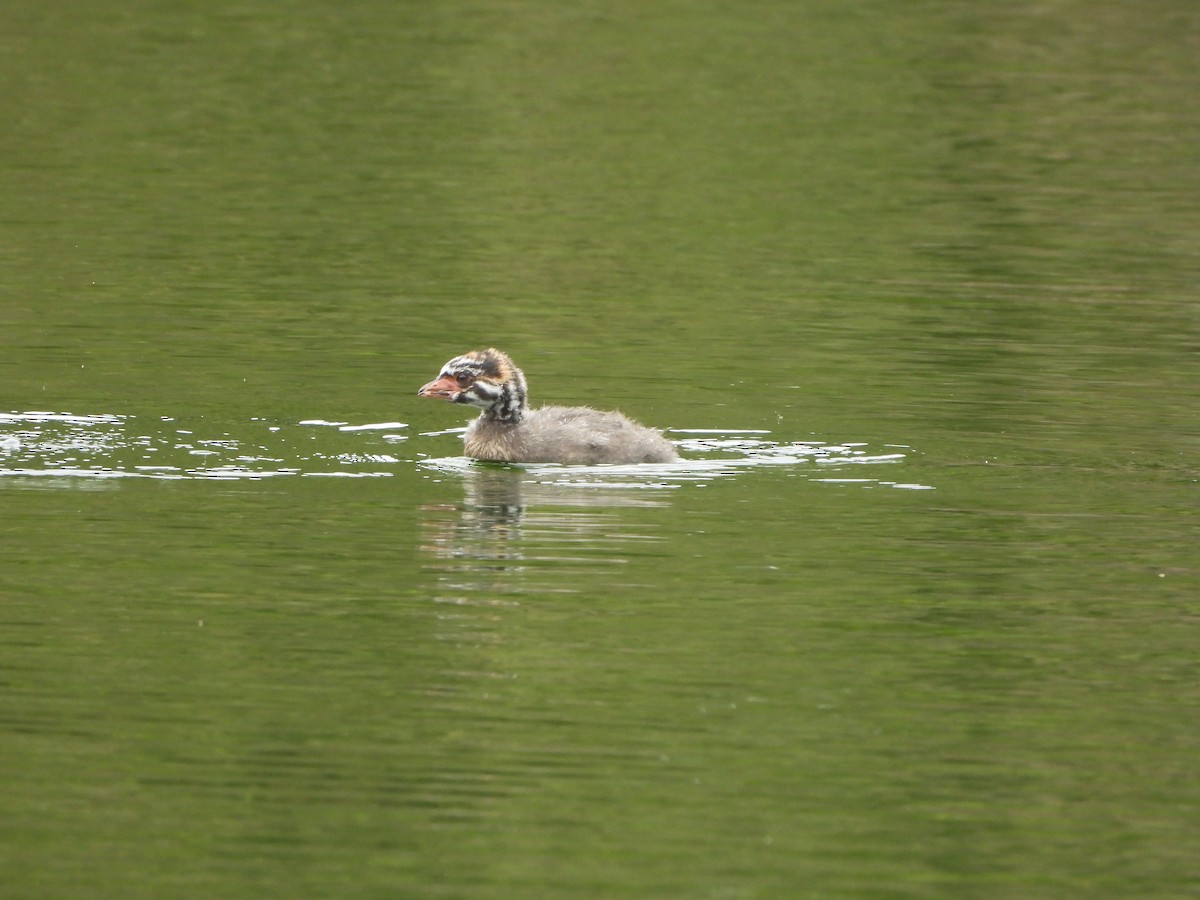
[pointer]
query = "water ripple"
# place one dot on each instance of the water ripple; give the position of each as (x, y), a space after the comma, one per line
(719, 454)
(56, 445)
(108, 446)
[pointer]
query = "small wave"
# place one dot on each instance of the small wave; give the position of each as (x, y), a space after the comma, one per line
(109, 446)
(723, 454)
(102, 447)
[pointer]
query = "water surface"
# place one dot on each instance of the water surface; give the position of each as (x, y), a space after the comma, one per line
(914, 290)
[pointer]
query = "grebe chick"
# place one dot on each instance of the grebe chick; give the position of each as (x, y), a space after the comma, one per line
(507, 430)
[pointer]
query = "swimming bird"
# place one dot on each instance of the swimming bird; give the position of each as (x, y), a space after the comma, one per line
(507, 430)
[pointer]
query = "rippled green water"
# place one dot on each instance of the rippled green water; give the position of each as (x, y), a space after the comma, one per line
(914, 287)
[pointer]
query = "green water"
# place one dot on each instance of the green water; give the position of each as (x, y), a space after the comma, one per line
(913, 285)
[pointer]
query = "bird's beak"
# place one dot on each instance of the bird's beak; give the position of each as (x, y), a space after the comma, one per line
(444, 388)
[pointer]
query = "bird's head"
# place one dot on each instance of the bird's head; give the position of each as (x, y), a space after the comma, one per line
(485, 379)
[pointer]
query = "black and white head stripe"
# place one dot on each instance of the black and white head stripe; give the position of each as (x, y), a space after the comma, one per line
(462, 367)
(488, 380)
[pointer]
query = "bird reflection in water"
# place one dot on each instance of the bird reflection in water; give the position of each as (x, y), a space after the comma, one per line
(514, 534)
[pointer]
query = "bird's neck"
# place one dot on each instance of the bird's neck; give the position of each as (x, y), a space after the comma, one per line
(511, 406)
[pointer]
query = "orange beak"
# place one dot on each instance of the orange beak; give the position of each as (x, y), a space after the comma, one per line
(444, 388)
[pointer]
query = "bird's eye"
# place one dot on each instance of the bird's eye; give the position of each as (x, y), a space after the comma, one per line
(463, 380)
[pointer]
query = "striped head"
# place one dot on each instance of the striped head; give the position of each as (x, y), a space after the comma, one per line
(485, 379)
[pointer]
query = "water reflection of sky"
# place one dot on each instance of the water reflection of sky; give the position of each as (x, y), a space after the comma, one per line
(708, 454)
(107, 445)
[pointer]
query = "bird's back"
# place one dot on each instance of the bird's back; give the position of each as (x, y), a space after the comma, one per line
(575, 435)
